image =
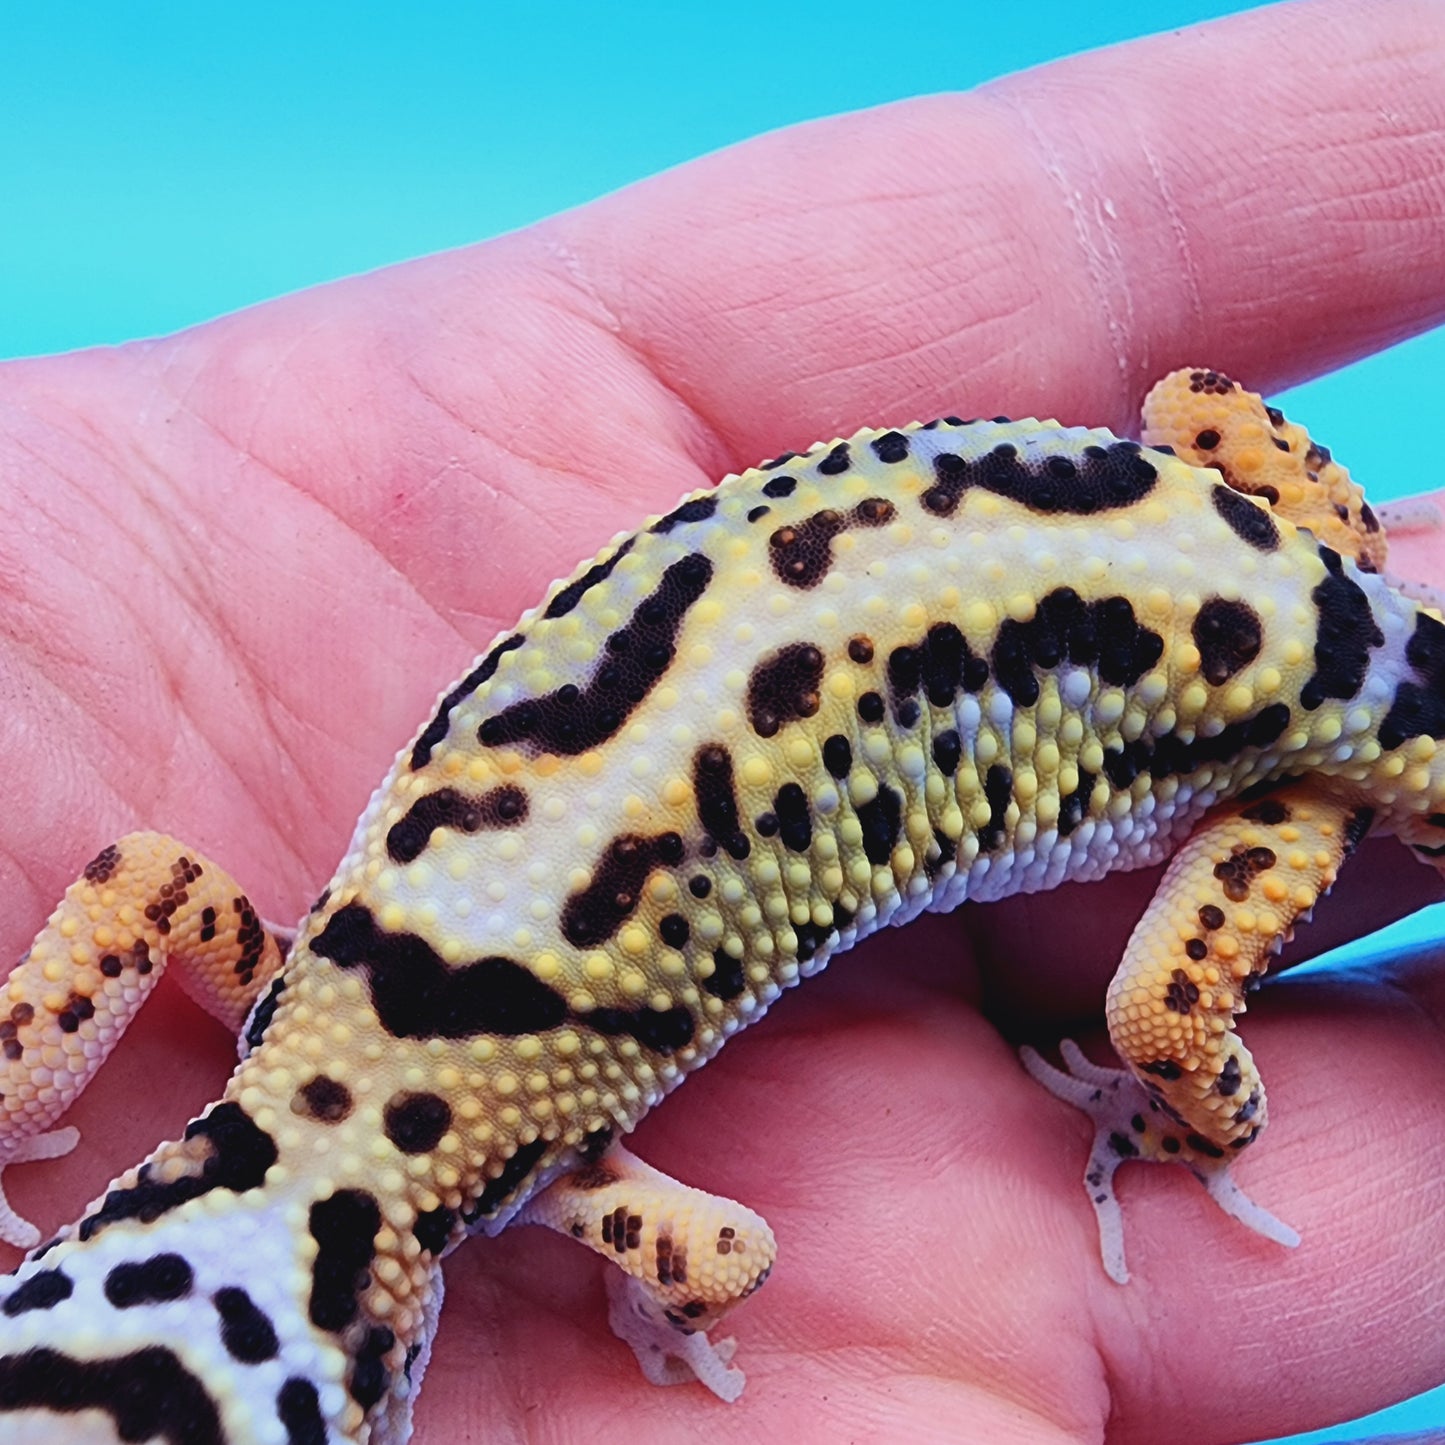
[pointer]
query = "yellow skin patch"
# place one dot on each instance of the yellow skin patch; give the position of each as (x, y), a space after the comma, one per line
(947, 661)
(141, 903)
(1212, 421)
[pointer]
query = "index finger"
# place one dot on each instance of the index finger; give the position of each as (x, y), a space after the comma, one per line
(1263, 194)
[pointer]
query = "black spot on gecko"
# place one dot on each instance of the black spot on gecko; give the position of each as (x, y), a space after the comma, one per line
(836, 462)
(1103, 635)
(1357, 825)
(299, 1410)
(1419, 707)
(101, 868)
(784, 687)
(322, 1098)
(717, 800)
(572, 719)
(250, 938)
(1249, 522)
(662, 1030)
(596, 1142)
(241, 1155)
(1197, 949)
(1123, 1146)
(838, 756)
(41, 1291)
(795, 826)
(1201, 1145)
(1269, 811)
(160, 1278)
(436, 730)
(892, 446)
(594, 914)
(1228, 634)
(998, 787)
(1162, 1069)
(369, 1377)
(801, 553)
(246, 1330)
(503, 807)
(942, 664)
(870, 708)
(1181, 995)
(881, 818)
(1172, 755)
(726, 979)
(1099, 479)
(433, 1228)
(674, 930)
(1211, 916)
(1347, 631)
(344, 1226)
(1073, 806)
(418, 996)
(947, 750)
(263, 1013)
(148, 1393)
(514, 1171)
(699, 509)
(569, 596)
(414, 1122)
(1210, 383)
(860, 650)
(1229, 1078)
(1237, 872)
(77, 1009)
(699, 885)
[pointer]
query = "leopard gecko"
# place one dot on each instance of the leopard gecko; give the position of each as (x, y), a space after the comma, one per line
(960, 659)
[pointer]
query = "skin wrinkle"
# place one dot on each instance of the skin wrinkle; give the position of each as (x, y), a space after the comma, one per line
(1184, 251)
(1101, 260)
(705, 443)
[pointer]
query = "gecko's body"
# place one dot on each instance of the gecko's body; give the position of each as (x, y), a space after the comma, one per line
(941, 662)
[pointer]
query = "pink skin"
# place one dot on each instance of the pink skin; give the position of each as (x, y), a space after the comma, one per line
(237, 565)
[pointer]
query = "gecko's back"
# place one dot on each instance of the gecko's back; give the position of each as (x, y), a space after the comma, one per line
(950, 661)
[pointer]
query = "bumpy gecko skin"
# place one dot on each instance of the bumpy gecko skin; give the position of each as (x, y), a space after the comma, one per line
(955, 660)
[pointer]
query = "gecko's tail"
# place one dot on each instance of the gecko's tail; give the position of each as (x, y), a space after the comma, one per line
(202, 1300)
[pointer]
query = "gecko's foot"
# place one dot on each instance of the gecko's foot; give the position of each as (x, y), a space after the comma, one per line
(666, 1354)
(1128, 1125)
(14, 1230)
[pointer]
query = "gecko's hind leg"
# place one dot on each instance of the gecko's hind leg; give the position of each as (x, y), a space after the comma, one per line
(141, 903)
(1190, 1093)
(1128, 1124)
(685, 1258)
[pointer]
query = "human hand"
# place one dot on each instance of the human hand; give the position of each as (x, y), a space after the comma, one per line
(237, 565)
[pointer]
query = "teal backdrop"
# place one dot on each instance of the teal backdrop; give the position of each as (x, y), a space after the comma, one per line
(163, 163)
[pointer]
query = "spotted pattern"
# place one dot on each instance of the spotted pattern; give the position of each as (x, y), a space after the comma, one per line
(801, 553)
(572, 719)
(1101, 478)
(888, 673)
(503, 807)
(784, 687)
(1229, 635)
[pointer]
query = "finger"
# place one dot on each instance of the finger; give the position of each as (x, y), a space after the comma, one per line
(1353, 1161)
(1264, 194)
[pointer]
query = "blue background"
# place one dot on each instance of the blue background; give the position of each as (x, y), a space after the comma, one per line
(164, 163)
